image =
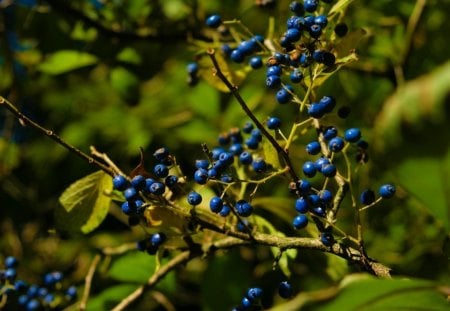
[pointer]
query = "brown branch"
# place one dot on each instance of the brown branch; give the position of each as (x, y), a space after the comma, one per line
(24, 120)
(88, 282)
(234, 90)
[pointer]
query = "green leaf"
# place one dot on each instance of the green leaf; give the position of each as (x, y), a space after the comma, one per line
(138, 267)
(385, 294)
(66, 60)
(125, 83)
(110, 297)
(84, 204)
(9, 156)
(271, 155)
(340, 6)
(129, 55)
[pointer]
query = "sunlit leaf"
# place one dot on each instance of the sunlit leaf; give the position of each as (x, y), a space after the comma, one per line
(66, 60)
(107, 299)
(84, 203)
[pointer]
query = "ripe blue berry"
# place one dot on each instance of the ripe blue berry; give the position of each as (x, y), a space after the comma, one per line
(313, 147)
(387, 191)
(120, 182)
(320, 162)
(10, 274)
(296, 76)
(328, 101)
(192, 68)
(213, 21)
(236, 149)
(259, 165)
(256, 133)
(226, 178)
(248, 127)
(161, 154)
(352, 135)
(246, 303)
(148, 183)
(157, 239)
(336, 144)
(329, 170)
(283, 96)
(245, 158)
(32, 305)
(130, 193)
(274, 71)
(194, 198)
(273, 123)
(292, 34)
(225, 211)
(367, 197)
(300, 221)
(326, 238)
(330, 132)
(273, 81)
(157, 188)
(215, 152)
(216, 204)
(71, 292)
(285, 290)
(243, 208)
(315, 31)
(254, 293)
(237, 56)
(256, 62)
(325, 196)
(316, 110)
(319, 211)
(138, 182)
(201, 176)
(11, 262)
(310, 5)
(303, 186)
(171, 181)
(309, 169)
(161, 170)
(321, 20)
(301, 205)
(128, 207)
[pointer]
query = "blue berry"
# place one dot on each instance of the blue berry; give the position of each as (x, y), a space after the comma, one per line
(330, 132)
(317, 55)
(161, 154)
(326, 196)
(292, 34)
(32, 305)
(273, 123)
(49, 298)
(247, 47)
(236, 149)
(161, 170)
(295, 22)
(130, 193)
(273, 81)
(259, 165)
(283, 96)
(329, 170)
(203, 163)
(171, 181)
(128, 207)
(216, 204)
(313, 147)
(120, 182)
(248, 127)
(192, 68)
(329, 103)
(71, 292)
(22, 300)
(326, 238)
(310, 5)
(256, 62)
(246, 303)
(157, 188)
(367, 197)
(237, 56)
(201, 176)
(303, 186)
(301, 205)
(256, 133)
(194, 198)
(243, 208)
(20, 285)
(223, 139)
(321, 20)
(33, 290)
(11, 262)
(305, 60)
(245, 158)
(300, 221)
(213, 173)
(157, 239)
(225, 211)
(285, 290)
(309, 169)
(226, 49)
(296, 76)
(10, 274)
(314, 200)
(336, 144)
(309, 20)
(387, 191)
(254, 293)
(316, 110)
(319, 211)
(296, 7)
(50, 279)
(138, 182)
(213, 21)
(315, 31)
(320, 162)
(148, 184)
(274, 71)
(226, 178)
(352, 135)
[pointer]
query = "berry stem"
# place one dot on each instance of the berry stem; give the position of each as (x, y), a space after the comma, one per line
(234, 90)
(24, 120)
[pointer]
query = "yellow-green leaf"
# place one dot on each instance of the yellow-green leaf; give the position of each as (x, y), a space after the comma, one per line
(66, 60)
(85, 203)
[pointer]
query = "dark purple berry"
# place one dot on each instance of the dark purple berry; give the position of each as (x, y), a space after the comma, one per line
(341, 29)
(367, 197)
(285, 290)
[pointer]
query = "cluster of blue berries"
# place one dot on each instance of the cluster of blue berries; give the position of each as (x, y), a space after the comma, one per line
(52, 294)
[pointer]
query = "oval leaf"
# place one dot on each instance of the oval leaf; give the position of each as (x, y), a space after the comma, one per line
(66, 60)
(84, 203)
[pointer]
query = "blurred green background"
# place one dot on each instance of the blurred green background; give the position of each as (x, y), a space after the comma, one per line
(112, 74)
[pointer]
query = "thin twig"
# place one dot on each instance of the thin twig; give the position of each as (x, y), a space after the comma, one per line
(24, 120)
(88, 282)
(234, 90)
(155, 278)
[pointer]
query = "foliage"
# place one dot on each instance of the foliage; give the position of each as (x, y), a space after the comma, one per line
(111, 74)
